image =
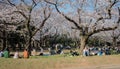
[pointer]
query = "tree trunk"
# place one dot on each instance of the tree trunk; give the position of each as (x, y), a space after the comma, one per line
(29, 45)
(83, 42)
(4, 40)
(114, 42)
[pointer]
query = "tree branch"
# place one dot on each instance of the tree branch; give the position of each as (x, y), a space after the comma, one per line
(21, 14)
(43, 22)
(119, 15)
(66, 17)
(101, 18)
(103, 29)
(110, 7)
(11, 3)
(79, 18)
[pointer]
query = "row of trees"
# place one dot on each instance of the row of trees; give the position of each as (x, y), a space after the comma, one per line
(88, 17)
(16, 40)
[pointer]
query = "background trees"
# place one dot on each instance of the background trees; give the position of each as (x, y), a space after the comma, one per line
(33, 14)
(114, 36)
(40, 19)
(89, 17)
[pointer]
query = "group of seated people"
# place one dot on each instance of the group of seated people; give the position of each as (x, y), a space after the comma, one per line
(7, 54)
(4, 54)
(88, 51)
(91, 51)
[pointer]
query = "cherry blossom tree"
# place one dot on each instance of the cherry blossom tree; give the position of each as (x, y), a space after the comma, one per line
(89, 16)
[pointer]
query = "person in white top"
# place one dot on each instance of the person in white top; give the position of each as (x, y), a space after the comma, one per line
(34, 52)
(86, 52)
(1, 53)
(16, 55)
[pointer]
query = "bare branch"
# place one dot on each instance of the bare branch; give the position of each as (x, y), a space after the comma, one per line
(4, 2)
(20, 13)
(66, 17)
(34, 2)
(79, 10)
(44, 12)
(119, 15)
(102, 29)
(43, 23)
(49, 2)
(11, 3)
(110, 7)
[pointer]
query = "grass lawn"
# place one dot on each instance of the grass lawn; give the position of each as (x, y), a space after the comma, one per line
(57, 62)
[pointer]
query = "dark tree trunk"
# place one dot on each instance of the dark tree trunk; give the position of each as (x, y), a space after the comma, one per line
(4, 40)
(29, 46)
(114, 42)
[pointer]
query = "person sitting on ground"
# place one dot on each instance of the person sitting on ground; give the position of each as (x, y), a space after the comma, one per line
(25, 54)
(6, 53)
(100, 52)
(1, 53)
(33, 52)
(41, 51)
(16, 55)
(74, 53)
(86, 52)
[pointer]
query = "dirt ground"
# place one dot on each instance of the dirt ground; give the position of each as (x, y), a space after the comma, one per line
(62, 62)
(116, 66)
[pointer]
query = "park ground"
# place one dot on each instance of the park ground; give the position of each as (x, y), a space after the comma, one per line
(62, 62)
